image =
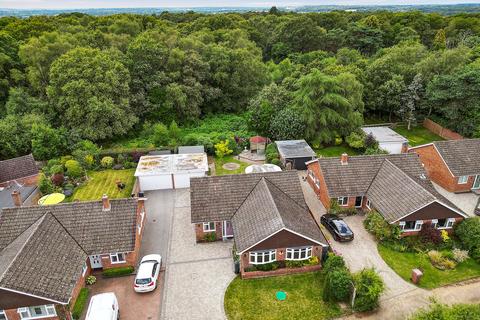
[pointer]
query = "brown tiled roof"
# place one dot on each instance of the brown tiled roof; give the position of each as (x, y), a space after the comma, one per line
(267, 210)
(44, 260)
(217, 198)
(461, 156)
(17, 168)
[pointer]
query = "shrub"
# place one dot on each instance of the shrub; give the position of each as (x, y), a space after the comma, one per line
(444, 312)
(58, 179)
(337, 285)
(370, 142)
(91, 280)
(369, 286)
(333, 262)
(250, 269)
(89, 161)
(107, 162)
(475, 254)
(57, 168)
(381, 229)
(313, 261)
(295, 263)
(271, 148)
(222, 149)
(429, 234)
(356, 140)
(45, 184)
(439, 261)
(117, 272)
(276, 162)
(271, 156)
(210, 237)
(86, 152)
(267, 266)
(161, 136)
(445, 236)
(460, 255)
(74, 169)
(80, 303)
(468, 231)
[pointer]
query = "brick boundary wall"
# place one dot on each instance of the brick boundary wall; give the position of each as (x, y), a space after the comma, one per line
(441, 131)
(280, 272)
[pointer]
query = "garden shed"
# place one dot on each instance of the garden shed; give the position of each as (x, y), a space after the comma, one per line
(388, 139)
(170, 171)
(295, 153)
(258, 144)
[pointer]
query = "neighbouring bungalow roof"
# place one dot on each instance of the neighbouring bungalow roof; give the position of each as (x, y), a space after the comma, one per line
(258, 168)
(191, 149)
(461, 156)
(172, 164)
(6, 199)
(384, 134)
(17, 168)
(43, 248)
(267, 210)
(294, 149)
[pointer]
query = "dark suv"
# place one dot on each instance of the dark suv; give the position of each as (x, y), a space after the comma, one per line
(337, 227)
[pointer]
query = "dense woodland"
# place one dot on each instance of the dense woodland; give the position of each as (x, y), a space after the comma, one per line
(74, 77)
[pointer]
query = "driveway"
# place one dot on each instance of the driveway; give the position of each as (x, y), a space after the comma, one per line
(197, 275)
(465, 201)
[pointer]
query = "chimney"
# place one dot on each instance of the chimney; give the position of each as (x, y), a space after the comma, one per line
(344, 158)
(106, 203)
(17, 199)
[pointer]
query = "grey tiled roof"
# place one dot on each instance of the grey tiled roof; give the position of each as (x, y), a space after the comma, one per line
(6, 199)
(217, 198)
(44, 260)
(266, 210)
(294, 149)
(394, 194)
(461, 156)
(17, 168)
(354, 178)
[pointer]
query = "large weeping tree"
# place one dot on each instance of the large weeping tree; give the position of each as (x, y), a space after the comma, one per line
(329, 105)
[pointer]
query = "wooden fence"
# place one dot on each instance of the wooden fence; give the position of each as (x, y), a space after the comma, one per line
(441, 131)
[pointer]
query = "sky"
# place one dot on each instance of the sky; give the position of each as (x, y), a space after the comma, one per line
(75, 4)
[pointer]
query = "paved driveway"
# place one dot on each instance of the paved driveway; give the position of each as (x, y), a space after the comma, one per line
(197, 275)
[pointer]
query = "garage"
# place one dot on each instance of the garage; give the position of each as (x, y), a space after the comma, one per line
(388, 139)
(294, 153)
(173, 171)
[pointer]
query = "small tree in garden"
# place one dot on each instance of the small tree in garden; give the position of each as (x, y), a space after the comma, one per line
(338, 285)
(369, 287)
(430, 234)
(160, 135)
(411, 99)
(468, 231)
(45, 184)
(222, 149)
(333, 262)
(376, 224)
(370, 141)
(107, 162)
(356, 140)
(74, 169)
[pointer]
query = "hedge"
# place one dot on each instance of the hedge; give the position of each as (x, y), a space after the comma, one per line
(117, 272)
(80, 303)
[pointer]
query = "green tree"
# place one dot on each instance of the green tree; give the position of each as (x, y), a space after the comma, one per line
(287, 125)
(20, 102)
(440, 40)
(47, 143)
(369, 287)
(222, 149)
(89, 89)
(411, 100)
(74, 169)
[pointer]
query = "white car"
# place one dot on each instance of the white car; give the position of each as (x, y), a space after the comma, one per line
(147, 273)
(103, 306)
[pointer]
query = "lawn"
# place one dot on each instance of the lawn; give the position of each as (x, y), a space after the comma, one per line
(104, 182)
(336, 151)
(403, 263)
(219, 171)
(417, 135)
(255, 298)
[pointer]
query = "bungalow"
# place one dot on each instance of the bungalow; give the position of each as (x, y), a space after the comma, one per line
(46, 252)
(395, 185)
(266, 212)
(21, 170)
(453, 164)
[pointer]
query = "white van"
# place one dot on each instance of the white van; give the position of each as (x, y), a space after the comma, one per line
(103, 306)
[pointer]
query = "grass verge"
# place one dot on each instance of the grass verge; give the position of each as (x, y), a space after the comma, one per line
(80, 303)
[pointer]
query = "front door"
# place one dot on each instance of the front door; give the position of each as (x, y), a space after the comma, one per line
(96, 261)
(358, 202)
(476, 184)
(227, 229)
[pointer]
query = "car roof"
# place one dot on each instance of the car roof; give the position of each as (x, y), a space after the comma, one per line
(145, 270)
(156, 257)
(100, 306)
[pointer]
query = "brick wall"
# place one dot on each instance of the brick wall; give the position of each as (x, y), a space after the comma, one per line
(441, 131)
(322, 192)
(28, 181)
(438, 171)
(200, 235)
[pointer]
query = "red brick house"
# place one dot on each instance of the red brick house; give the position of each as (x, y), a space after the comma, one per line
(453, 164)
(395, 185)
(22, 170)
(266, 213)
(46, 252)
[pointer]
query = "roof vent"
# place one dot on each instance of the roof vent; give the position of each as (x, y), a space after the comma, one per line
(423, 176)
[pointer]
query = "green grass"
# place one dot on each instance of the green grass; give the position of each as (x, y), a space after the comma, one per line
(336, 151)
(255, 298)
(417, 135)
(104, 182)
(220, 162)
(403, 263)
(80, 303)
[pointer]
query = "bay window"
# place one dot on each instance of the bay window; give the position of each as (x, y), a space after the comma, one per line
(299, 253)
(37, 312)
(262, 257)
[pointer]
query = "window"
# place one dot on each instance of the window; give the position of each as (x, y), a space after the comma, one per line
(343, 201)
(262, 257)
(84, 269)
(443, 223)
(411, 225)
(369, 204)
(2, 315)
(299, 253)
(462, 179)
(37, 312)
(118, 257)
(208, 226)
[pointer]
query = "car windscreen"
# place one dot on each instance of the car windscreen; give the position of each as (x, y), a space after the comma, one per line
(342, 227)
(143, 281)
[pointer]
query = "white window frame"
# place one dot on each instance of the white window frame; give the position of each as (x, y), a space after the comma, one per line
(270, 254)
(207, 227)
(449, 224)
(368, 204)
(49, 308)
(84, 269)
(417, 227)
(2, 313)
(116, 255)
(342, 201)
(290, 253)
(463, 179)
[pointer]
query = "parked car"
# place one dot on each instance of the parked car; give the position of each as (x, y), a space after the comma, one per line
(337, 227)
(103, 306)
(147, 273)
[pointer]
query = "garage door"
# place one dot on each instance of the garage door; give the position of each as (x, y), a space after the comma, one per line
(156, 182)
(391, 147)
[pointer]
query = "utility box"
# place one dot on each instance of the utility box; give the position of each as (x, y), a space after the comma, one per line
(416, 275)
